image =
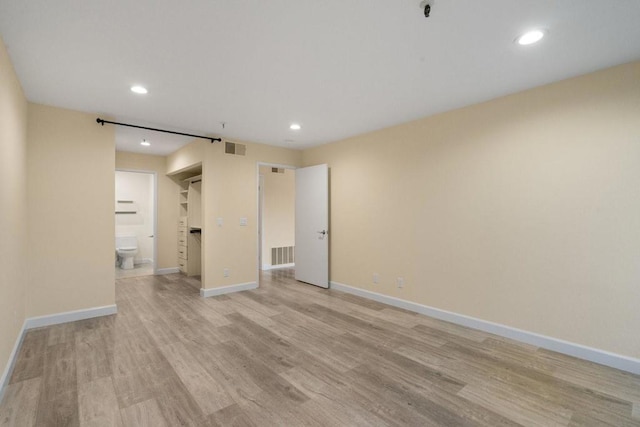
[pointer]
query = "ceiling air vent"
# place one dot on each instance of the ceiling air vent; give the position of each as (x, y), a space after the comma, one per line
(233, 148)
(277, 170)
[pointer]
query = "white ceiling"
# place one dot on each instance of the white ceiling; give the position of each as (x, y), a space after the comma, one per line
(337, 67)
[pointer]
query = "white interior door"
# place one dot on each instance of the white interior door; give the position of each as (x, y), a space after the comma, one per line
(312, 225)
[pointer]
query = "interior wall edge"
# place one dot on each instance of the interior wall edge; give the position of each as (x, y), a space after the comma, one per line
(602, 357)
(14, 255)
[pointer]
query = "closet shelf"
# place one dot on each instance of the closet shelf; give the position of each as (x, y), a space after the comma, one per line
(189, 226)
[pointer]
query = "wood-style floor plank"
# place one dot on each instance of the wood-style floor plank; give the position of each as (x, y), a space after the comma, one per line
(232, 416)
(206, 391)
(288, 353)
(30, 361)
(20, 404)
(97, 404)
(143, 414)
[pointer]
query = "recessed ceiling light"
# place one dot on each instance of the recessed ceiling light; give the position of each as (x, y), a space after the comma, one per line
(530, 37)
(295, 126)
(145, 143)
(139, 89)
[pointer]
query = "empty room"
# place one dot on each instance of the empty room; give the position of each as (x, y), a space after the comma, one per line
(361, 213)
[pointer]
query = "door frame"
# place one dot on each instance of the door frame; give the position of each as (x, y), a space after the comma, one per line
(154, 174)
(259, 216)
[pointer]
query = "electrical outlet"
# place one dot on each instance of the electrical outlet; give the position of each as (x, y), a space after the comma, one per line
(376, 278)
(400, 282)
(225, 272)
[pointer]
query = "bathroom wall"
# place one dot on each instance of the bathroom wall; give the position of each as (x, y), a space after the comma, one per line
(137, 188)
(278, 211)
(167, 193)
(523, 210)
(70, 193)
(13, 211)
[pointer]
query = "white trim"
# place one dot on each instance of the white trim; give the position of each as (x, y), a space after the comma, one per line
(8, 370)
(212, 292)
(591, 354)
(163, 271)
(266, 267)
(70, 316)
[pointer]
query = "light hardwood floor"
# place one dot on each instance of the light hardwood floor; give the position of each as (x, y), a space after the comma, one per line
(290, 354)
(137, 270)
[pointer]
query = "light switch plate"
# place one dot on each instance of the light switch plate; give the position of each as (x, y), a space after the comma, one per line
(219, 222)
(243, 221)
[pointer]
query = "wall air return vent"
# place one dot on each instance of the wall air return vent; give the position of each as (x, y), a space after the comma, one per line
(277, 170)
(233, 148)
(283, 255)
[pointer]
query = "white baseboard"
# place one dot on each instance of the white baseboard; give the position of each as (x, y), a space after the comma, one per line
(70, 316)
(275, 267)
(8, 370)
(212, 292)
(163, 271)
(591, 354)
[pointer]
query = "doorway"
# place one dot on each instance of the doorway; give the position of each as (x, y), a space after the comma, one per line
(307, 213)
(135, 223)
(276, 217)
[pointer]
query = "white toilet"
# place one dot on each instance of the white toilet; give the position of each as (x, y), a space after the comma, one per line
(127, 249)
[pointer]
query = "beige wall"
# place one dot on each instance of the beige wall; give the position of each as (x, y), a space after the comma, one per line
(187, 156)
(524, 210)
(13, 207)
(167, 238)
(278, 211)
(230, 192)
(70, 188)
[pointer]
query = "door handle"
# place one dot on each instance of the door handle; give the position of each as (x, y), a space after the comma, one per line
(151, 235)
(323, 232)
